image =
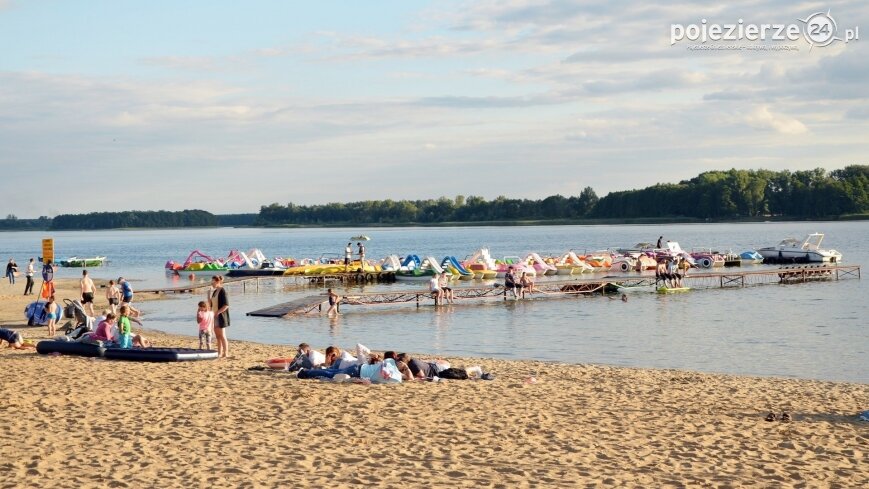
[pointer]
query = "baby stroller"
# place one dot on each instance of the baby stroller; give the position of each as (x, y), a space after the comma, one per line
(80, 324)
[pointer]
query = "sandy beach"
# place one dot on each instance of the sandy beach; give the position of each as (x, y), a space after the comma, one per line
(78, 422)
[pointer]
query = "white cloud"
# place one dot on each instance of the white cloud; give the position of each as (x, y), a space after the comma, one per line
(763, 118)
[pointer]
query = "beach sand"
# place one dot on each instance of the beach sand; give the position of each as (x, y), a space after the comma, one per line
(77, 422)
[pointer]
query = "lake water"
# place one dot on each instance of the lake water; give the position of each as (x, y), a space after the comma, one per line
(814, 330)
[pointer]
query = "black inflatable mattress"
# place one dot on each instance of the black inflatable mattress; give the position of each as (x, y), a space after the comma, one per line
(69, 348)
(159, 354)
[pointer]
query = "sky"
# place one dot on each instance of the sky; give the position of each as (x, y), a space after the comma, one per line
(227, 106)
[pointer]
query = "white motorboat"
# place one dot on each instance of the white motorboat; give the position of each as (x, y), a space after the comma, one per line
(791, 250)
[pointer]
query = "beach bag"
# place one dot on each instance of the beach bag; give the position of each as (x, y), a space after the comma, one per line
(453, 373)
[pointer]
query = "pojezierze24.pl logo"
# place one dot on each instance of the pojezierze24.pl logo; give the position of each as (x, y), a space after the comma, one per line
(818, 29)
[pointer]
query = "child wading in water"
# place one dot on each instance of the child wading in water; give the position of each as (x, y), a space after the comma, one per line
(205, 318)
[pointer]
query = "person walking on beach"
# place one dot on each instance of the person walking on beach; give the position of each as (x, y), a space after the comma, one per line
(348, 255)
(87, 293)
(220, 307)
(28, 288)
(334, 299)
(660, 242)
(11, 270)
(205, 320)
(361, 255)
(113, 295)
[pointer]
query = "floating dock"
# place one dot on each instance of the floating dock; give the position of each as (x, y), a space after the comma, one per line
(566, 288)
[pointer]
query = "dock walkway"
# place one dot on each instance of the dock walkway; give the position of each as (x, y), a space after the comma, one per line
(195, 286)
(567, 288)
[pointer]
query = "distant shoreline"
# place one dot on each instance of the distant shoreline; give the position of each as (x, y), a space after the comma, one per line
(539, 222)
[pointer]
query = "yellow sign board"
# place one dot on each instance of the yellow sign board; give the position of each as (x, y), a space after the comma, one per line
(47, 250)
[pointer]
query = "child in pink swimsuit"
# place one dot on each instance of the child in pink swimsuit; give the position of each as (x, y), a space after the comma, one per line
(205, 318)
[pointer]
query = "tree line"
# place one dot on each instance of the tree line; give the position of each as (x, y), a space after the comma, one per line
(134, 219)
(731, 194)
(13, 223)
(716, 195)
(458, 209)
(747, 193)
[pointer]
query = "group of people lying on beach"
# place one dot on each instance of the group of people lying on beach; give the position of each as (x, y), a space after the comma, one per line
(390, 367)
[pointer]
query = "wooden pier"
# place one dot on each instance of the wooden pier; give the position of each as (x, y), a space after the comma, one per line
(197, 286)
(579, 286)
(357, 277)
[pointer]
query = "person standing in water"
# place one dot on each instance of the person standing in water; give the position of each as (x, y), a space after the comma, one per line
(334, 299)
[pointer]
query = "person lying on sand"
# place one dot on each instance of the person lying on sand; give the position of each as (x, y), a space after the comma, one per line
(337, 358)
(419, 368)
(406, 374)
(307, 357)
(15, 339)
